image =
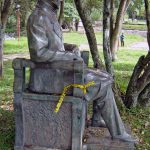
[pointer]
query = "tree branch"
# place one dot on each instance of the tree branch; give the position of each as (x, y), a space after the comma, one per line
(5, 11)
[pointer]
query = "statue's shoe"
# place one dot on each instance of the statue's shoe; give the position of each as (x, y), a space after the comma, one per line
(126, 138)
(99, 123)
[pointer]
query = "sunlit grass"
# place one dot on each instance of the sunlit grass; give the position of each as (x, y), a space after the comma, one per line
(13, 46)
(135, 26)
(124, 66)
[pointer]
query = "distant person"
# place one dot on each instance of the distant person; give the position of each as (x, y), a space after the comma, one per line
(122, 39)
(76, 24)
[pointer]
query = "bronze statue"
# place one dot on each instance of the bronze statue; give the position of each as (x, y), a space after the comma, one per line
(46, 45)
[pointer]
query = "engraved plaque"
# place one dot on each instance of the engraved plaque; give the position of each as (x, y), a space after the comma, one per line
(45, 128)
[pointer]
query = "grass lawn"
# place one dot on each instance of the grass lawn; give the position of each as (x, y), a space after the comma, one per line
(138, 118)
(141, 27)
(13, 46)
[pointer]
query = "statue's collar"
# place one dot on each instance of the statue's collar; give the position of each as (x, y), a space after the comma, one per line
(47, 7)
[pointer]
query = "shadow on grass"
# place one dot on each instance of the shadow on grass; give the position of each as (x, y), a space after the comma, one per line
(7, 129)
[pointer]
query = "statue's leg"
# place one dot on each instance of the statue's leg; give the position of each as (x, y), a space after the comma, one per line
(97, 119)
(107, 106)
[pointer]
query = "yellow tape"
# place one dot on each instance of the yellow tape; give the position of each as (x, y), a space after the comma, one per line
(82, 87)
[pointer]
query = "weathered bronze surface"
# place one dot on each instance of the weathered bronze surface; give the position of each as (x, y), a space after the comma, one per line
(54, 66)
(46, 45)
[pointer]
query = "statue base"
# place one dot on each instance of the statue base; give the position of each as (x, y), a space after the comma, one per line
(96, 138)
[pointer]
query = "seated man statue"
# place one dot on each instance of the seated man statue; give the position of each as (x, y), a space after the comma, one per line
(46, 45)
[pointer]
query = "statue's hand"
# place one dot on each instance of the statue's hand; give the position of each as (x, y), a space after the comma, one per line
(73, 56)
(77, 52)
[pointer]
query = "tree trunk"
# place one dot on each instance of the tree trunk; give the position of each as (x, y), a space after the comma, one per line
(1, 51)
(106, 50)
(61, 14)
(144, 97)
(117, 29)
(118, 26)
(147, 10)
(139, 80)
(138, 91)
(114, 41)
(1, 42)
(111, 18)
(89, 33)
(5, 7)
(106, 39)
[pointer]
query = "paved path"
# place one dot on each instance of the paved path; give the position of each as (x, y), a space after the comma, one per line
(134, 46)
(140, 45)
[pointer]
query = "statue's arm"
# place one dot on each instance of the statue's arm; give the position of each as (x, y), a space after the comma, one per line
(38, 45)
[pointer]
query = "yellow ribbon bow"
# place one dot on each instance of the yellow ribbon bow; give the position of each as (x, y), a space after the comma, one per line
(82, 87)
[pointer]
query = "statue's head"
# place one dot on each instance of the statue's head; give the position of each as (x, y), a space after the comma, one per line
(55, 3)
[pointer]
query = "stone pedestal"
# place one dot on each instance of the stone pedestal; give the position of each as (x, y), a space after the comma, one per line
(100, 139)
(37, 126)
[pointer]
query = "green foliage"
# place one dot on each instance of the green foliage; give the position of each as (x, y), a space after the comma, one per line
(94, 9)
(26, 6)
(11, 24)
(136, 8)
(6, 130)
(93, 4)
(139, 120)
(70, 12)
(95, 15)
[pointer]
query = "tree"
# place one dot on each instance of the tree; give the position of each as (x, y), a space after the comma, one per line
(116, 28)
(132, 10)
(136, 9)
(106, 39)
(67, 13)
(106, 49)
(61, 14)
(94, 9)
(5, 7)
(138, 91)
(147, 10)
(139, 82)
(26, 7)
(89, 33)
